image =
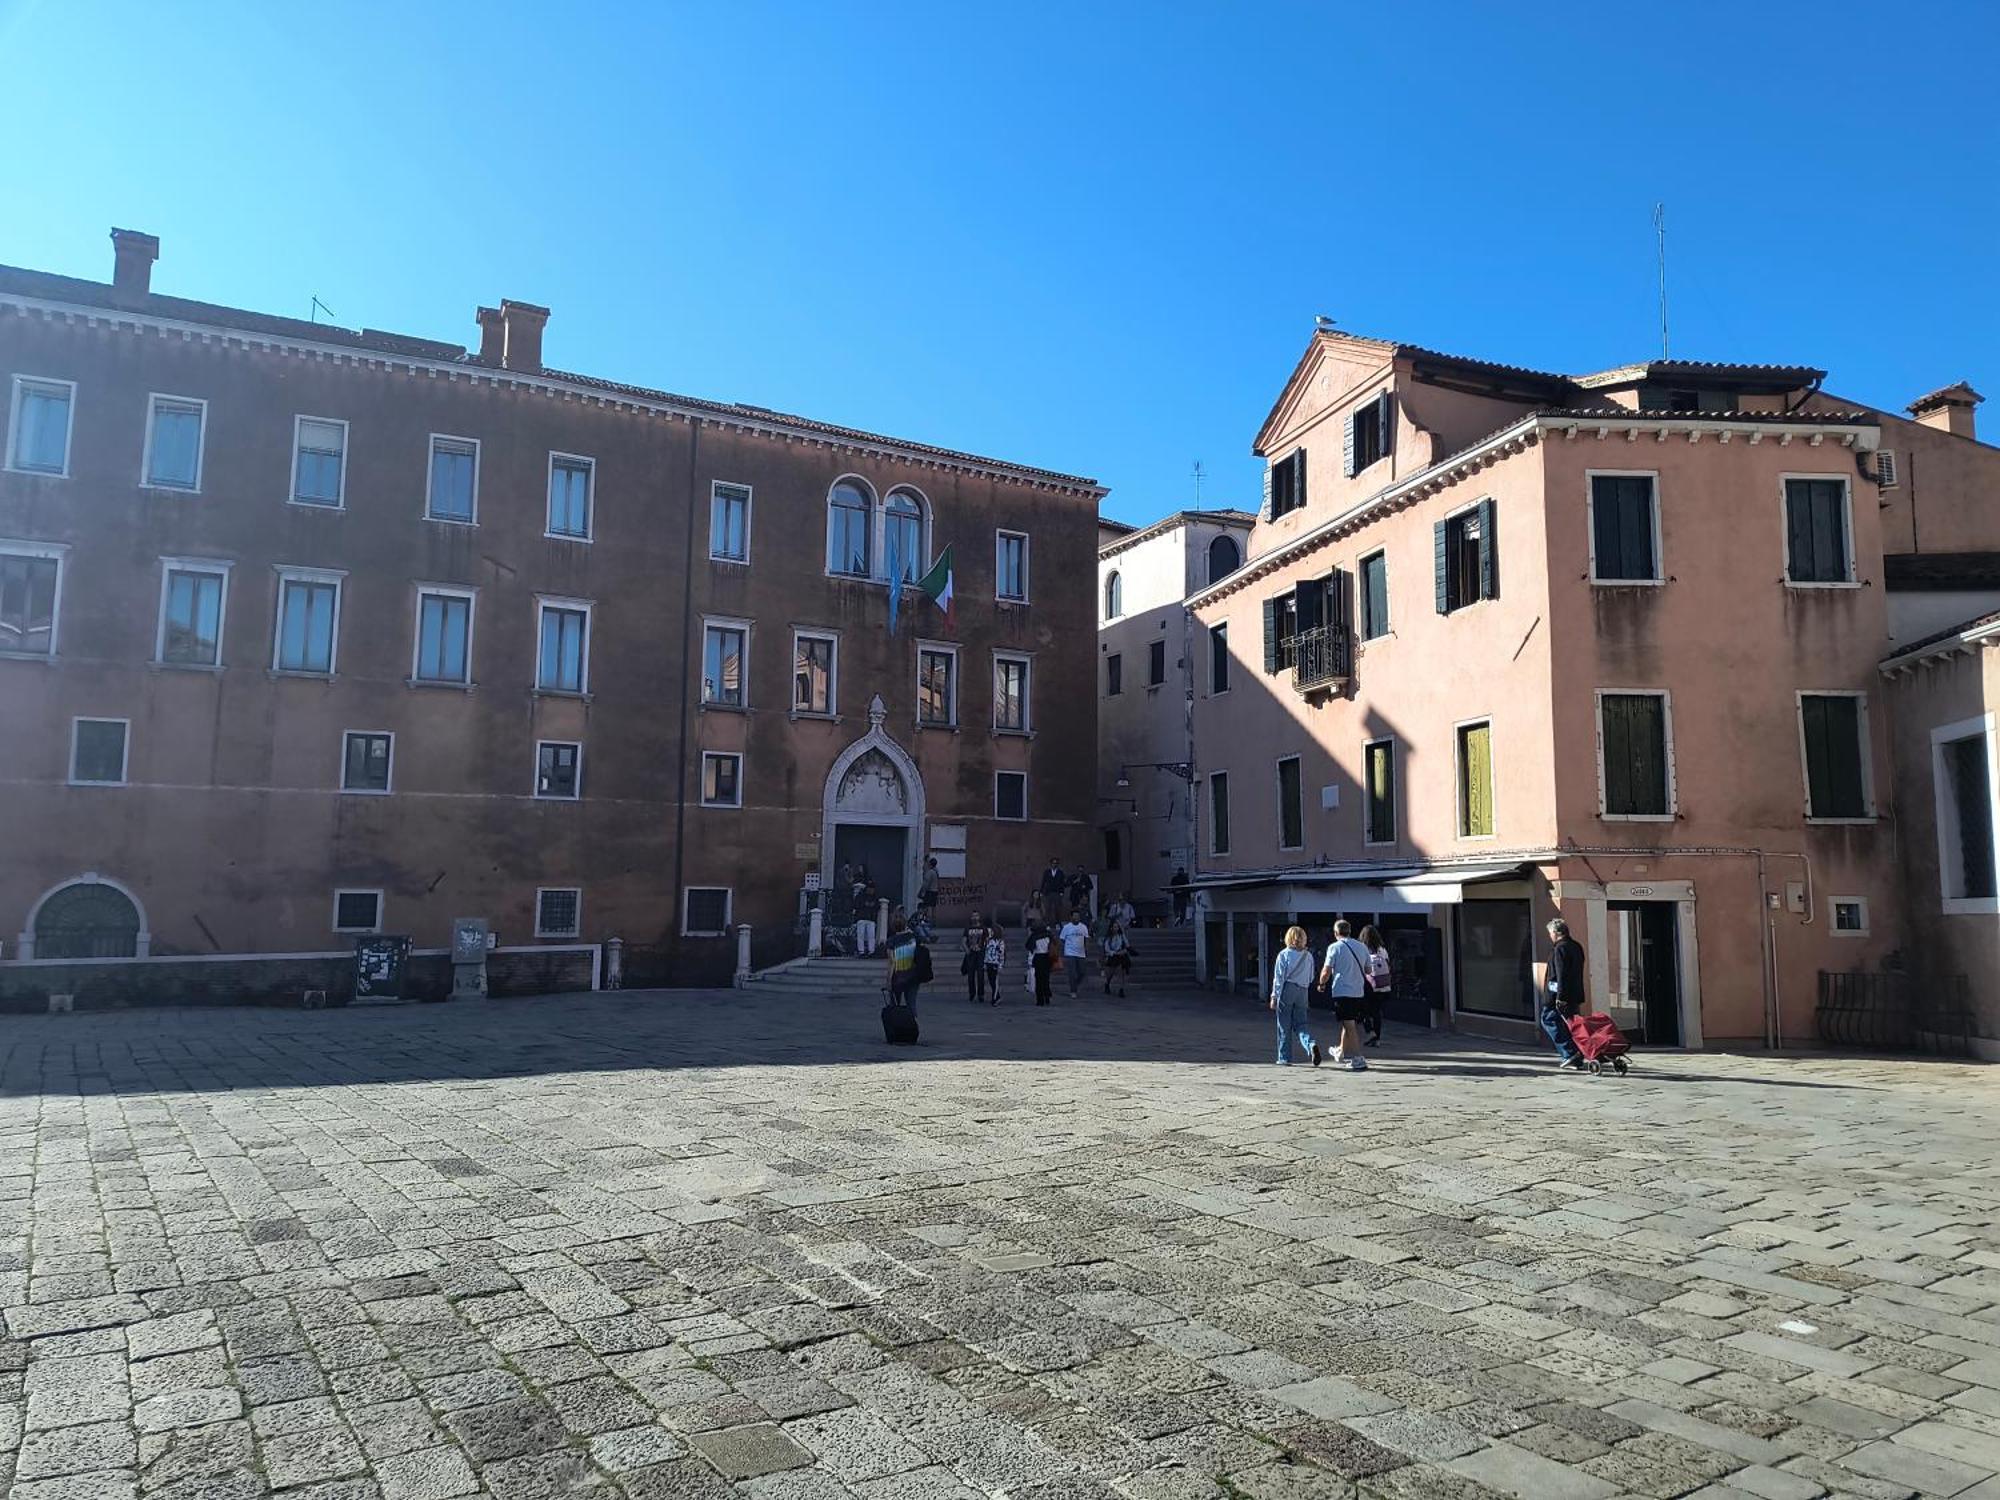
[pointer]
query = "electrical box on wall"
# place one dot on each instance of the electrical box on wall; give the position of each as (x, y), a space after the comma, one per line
(1329, 798)
(1795, 897)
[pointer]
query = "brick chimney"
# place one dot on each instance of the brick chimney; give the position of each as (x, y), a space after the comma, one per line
(492, 336)
(521, 327)
(1949, 410)
(132, 265)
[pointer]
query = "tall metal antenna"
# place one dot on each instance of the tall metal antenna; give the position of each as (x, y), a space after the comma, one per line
(1660, 237)
(1197, 483)
(319, 307)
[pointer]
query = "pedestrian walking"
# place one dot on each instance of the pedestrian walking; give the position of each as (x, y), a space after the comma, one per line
(1123, 912)
(1178, 885)
(996, 958)
(1562, 993)
(1345, 973)
(1075, 948)
(1080, 892)
(1379, 981)
(1054, 883)
(1117, 958)
(927, 888)
(1291, 998)
(901, 965)
(1041, 954)
(973, 964)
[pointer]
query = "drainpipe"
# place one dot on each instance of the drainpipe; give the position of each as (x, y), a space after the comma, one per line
(687, 729)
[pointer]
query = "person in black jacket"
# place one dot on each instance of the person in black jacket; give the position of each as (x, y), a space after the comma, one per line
(1562, 992)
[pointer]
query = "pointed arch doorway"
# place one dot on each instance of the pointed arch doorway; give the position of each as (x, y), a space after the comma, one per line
(872, 812)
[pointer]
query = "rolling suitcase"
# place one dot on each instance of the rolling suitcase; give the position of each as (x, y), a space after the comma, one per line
(899, 1023)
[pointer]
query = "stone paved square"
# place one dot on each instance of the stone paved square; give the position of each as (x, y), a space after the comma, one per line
(725, 1244)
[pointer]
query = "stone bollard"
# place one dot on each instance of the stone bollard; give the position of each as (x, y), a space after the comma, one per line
(882, 919)
(815, 931)
(61, 1005)
(742, 955)
(614, 963)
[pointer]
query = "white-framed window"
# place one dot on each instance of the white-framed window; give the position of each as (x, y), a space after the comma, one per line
(308, 634)
(451, 484)
(38, 426)
(937, 684)
(721, 778)
(1472, 753)
(1833, 751)
(1885, 468)
(562, 655)
(1965, 779)
(1114, 595)
(1847, 916)
(850, 528)
(572, 485)
(558, 911)
(729, 522)
(1465, 562)
(1010, 796)
(31, 579)
(1013, 710)
(319, 462)
(1819, 530)
(1635, 755)
(368, 761)
(99, 751)
(1218, 812)
(1291, 803)
(705, 910)
(357, 911)
(443, 652)
(1624, 507)
(1010, 566)
(1378, 792)
(815, 672)
(194, 597)
(558, 770)
(725, 663)
(174, 427)
(905, 534)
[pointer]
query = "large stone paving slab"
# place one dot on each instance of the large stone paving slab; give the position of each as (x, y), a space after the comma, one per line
(717, 1245)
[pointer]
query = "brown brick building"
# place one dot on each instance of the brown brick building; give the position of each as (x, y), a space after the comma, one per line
(307, 632)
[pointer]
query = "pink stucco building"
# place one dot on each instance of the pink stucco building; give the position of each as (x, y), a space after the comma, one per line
(1513, 644)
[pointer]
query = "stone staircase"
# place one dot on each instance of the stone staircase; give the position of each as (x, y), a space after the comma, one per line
(1164, 960)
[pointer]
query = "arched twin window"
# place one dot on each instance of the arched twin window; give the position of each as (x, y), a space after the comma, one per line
(865, 540)
(1114, 597)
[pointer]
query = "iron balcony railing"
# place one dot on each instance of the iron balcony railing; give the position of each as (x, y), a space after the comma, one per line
(1322, 658)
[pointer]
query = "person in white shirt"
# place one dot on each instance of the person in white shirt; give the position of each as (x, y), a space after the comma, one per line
(1345, 972)
(1075, 945)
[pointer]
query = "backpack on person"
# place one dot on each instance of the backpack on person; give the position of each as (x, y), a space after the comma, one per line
(921, 971)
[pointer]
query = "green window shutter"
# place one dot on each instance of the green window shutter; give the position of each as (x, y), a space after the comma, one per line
(1375, 590)
(1441, 557)
(1347, 447)
(1381, 793)
(1270, 636)
(1308, 604)
(1829, 529)
(1218, 806)
(1614, 739)
(1299, 480)
(1832, 729)
(1634, 740)
(1264, 511)
(1385, 406)
(1489, 552)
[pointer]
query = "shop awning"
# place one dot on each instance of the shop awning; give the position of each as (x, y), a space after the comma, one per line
(1382, 888)
(1444, 886)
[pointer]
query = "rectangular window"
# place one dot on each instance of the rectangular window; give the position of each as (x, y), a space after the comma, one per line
(1848, 916)
(357, 911)
(559, 770)
(1465, 562)
(1287, 480)
(1831, 728)
(1010, 566)
(725, 653)
(1370, 432)
(308, 621)
(1010, 796)
(173, 443)
(1291, 805)
(729, 522)
(454, 480)
(1010, 693)
(1218, 659)
(1156, 663)
(1475, 781)
(721, 779)
(705, 911)
(1968, 808)
(1635, 755)
(569, 496)
(30, 586)
(1281, 632)
(97, 751)
(1218, 812)
(191, 602)
(319, 461)
(1374, 595)
(937, 686)
(1378, 771)
(38, 432)
(444, 637)
(558, 912)
(1816, 549)
(1114, 675)
(365, 761)
(813, 673)
(1624, 529)
(563, 662)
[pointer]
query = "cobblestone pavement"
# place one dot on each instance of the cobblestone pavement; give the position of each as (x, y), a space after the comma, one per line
(714, 1245)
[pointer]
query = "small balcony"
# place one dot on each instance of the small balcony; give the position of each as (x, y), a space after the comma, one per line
(1322, 658)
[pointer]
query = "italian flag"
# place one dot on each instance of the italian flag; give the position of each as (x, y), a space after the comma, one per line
(936, 584)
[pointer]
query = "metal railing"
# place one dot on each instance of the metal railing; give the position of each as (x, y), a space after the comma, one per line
(1892, 1012)
(1320, 658)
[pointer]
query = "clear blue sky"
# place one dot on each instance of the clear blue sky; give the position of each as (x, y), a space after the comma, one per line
(1091, 237)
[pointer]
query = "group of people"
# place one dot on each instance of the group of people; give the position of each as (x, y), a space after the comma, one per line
(1354, 974)
(985, 954)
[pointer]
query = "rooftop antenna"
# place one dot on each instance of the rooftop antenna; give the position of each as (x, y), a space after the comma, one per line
(1660, 238)
(319, 307)
(1197, 484)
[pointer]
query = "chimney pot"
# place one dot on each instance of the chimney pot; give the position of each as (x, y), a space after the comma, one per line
(492, 336)
(1952, 409)
(521, 325)
(133, 254)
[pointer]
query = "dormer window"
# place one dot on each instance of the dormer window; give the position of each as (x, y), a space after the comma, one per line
(1681, 399)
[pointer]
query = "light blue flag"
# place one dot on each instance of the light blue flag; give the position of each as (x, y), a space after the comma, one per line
(895, 576)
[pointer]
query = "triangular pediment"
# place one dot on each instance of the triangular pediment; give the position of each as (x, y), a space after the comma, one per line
(1343, 359)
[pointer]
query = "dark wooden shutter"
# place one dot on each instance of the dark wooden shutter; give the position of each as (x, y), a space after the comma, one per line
(1832, 728)
(1830, 529)
(1441, 555)
(1385, 405)
(1341, 601)
(1270, 636)
(1308, 604)
(1347, 447)
(1299, 480)
(1489, 552)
